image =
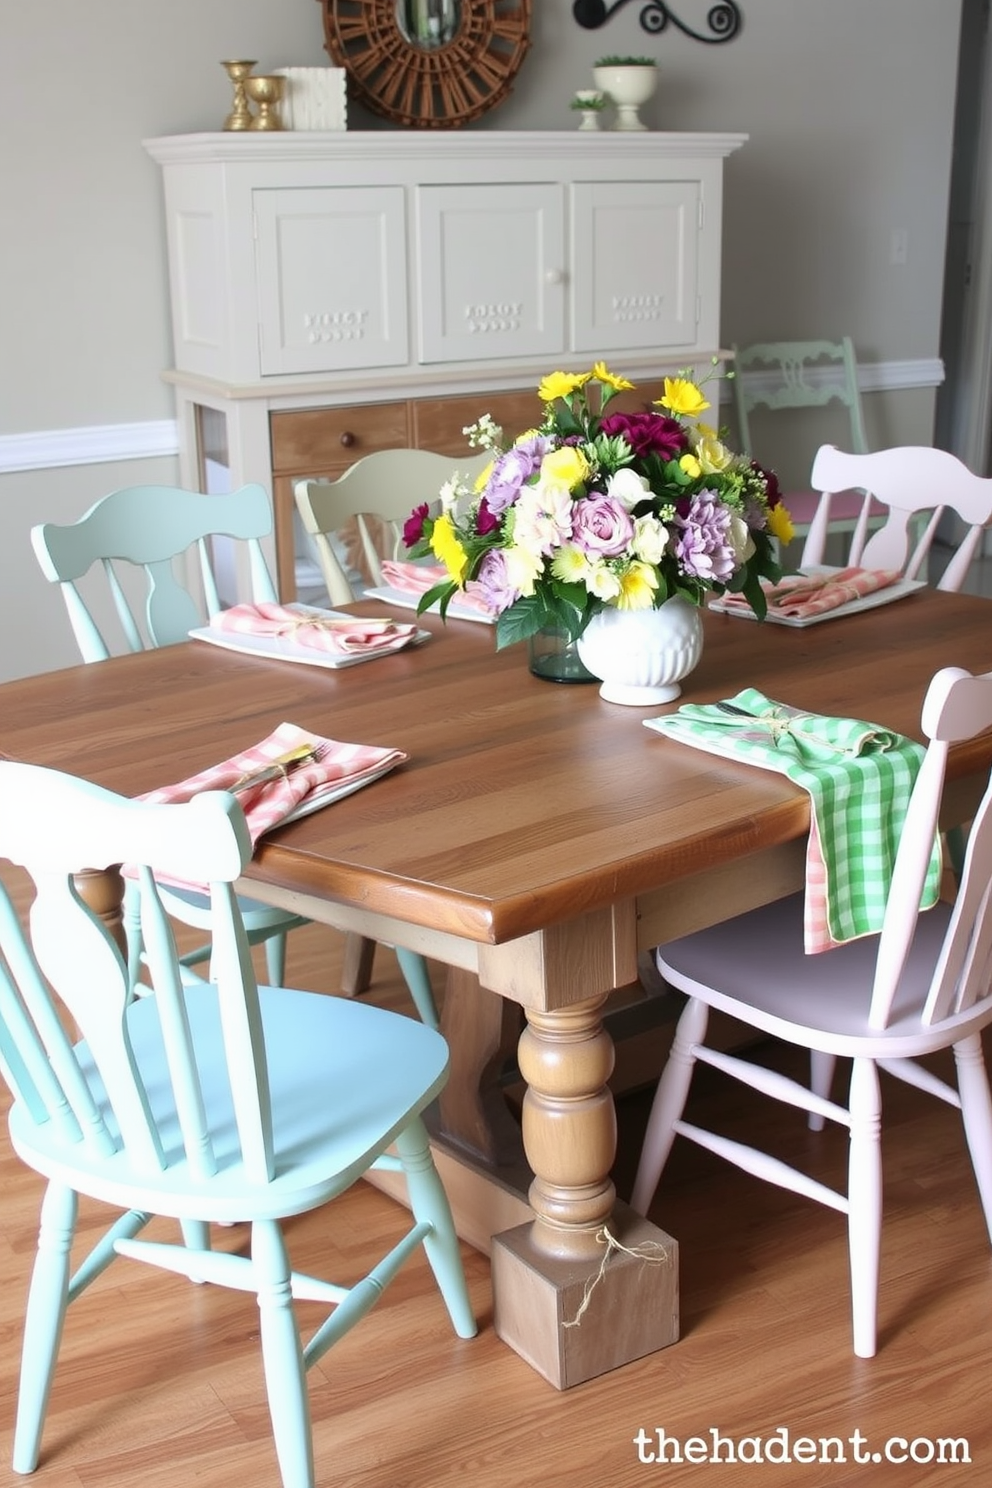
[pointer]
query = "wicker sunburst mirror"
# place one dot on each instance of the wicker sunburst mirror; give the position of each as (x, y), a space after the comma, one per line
(430, 64)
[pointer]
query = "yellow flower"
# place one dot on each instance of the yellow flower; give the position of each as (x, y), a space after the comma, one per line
(445, 545)
(712, 454)
(637, 585)
(683, 396)
(600, 373)
(570, 564)
(780, 524)
(561, 385)
(691, 466)
(566, 467)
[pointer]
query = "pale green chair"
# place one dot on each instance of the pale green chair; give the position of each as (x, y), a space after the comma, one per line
(221, 1102)
(159, 529)
(785, 376)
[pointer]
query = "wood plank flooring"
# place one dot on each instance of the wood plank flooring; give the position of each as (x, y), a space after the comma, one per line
(160, 1386)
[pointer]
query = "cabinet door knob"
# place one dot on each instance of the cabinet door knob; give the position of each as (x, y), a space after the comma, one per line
(553, 276)
(347, 439)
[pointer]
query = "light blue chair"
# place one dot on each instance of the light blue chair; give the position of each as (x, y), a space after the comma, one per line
(159, 529)
(224, 1101)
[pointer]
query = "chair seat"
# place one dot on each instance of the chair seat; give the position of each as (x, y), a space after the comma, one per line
(845, 507)
(754, 967)
(317, 1047)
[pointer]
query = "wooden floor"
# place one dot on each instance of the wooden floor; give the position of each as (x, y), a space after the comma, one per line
(160, 1386)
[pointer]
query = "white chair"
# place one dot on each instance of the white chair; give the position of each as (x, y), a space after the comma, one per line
(224, 1102)
(386, 486)
(923, 985)
(915, 486)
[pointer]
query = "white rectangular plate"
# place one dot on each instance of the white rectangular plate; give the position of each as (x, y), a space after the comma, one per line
(888, 595)
(335, 790)
(284, 648)
(457, 610)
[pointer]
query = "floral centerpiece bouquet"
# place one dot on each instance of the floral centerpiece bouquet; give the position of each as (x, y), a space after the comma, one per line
(594, 509)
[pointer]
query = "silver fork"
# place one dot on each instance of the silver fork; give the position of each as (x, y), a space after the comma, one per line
(280, 768)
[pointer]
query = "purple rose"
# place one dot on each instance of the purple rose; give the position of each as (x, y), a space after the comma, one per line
(601, 525)
(648, 433)
(704, 549)
(492, 585)
(513, 470)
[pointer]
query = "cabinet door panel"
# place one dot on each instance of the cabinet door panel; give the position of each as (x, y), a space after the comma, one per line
(635, 248)
(491, 271)
(331, 278)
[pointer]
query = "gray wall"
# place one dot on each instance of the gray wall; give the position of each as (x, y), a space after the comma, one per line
(849, 107)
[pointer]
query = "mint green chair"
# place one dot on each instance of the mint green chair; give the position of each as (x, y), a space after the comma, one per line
(220, 1102)
(159, 529)
(783, 376)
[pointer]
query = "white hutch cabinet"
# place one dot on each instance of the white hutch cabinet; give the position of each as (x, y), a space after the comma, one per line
(338, 293)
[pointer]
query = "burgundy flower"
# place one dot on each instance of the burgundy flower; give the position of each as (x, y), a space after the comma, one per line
(485, 520)
(648, 433)
(773, 491)
(413, 527)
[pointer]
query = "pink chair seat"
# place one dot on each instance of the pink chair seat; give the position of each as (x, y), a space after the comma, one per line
(845, 506)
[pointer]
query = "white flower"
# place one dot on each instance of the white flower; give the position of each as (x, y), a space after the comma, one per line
(602, 582)
(542, 518)
(650, 539)
(523, 568)
(627, 487)
(740, 539)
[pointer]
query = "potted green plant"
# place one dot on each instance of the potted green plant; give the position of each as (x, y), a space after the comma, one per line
(629, 81)
(590, 102)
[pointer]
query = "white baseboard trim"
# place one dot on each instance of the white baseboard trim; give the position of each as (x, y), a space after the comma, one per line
(49, 449)
(99, 444)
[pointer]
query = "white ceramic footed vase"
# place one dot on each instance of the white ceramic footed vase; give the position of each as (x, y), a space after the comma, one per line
(641, 656)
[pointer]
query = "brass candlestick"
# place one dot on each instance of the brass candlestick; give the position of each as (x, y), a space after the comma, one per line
(267, 93)
(240, 116)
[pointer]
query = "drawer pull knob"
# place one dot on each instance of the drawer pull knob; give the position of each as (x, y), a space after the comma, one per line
(347, 439)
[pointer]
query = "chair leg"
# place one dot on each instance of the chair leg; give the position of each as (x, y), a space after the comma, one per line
(282, 1356)
(976, 1112)
(417, 978)
(669, 1103)
(429, 1204)
(275, 959)
(821, 1077)
(864, 1195)
(48, 1299)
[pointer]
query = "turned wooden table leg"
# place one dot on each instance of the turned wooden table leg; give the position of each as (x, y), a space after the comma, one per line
(588, 1285)
(103, 890)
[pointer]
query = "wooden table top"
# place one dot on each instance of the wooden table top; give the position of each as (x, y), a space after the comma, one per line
(524, 803)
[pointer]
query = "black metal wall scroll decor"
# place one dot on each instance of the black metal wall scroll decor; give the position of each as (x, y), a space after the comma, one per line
(723, 19)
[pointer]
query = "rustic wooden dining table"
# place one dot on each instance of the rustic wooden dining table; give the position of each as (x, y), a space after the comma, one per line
(537, 842)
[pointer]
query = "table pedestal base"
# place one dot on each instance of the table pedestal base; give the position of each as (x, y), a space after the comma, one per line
(573, 1319)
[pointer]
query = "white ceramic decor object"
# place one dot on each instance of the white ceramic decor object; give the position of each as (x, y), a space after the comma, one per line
(314, 97)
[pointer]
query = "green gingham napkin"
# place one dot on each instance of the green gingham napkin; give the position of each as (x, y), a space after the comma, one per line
(859, 777)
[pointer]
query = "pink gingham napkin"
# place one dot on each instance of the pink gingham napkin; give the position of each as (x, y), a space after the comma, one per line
(342, 767)
(337, 635)
(418, 578)
(801, 595)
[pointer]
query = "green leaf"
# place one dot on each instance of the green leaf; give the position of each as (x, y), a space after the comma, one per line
(442, 593)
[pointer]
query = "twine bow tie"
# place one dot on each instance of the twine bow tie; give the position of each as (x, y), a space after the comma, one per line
(328, 622)
(790, 728)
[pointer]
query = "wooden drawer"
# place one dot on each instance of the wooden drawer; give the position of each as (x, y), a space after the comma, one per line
(309, 440)
(438, 422)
